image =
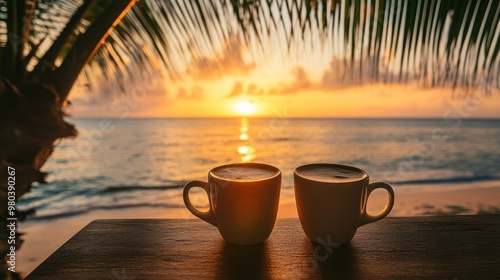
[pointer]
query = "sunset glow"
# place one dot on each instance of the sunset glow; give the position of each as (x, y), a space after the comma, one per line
(244, 107)
(310, 87)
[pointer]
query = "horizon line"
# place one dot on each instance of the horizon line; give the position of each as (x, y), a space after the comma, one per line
(285, 117)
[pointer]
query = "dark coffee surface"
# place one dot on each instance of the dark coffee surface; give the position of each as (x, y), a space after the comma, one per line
(331, 173)
(244, 173)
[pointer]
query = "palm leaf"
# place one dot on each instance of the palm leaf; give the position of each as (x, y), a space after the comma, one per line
(437, 42)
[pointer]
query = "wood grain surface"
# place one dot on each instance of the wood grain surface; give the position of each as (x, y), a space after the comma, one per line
(445, 247)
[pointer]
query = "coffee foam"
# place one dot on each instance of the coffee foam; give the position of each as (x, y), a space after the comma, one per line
(244, 173)
(333, 173)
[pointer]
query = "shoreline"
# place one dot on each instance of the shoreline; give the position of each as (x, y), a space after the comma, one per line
(43, 237)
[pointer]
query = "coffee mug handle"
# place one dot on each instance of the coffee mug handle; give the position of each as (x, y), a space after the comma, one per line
(207, 216)
(367, 218)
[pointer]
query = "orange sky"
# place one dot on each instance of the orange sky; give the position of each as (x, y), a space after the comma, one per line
(275, 85)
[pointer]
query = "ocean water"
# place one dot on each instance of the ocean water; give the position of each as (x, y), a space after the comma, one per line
(119, 163)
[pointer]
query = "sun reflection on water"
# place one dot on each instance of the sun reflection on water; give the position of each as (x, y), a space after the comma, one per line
(246, 151)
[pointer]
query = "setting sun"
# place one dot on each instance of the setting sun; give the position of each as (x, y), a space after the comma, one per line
(244, 107)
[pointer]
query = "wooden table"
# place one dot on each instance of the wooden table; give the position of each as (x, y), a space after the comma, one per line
(445, 247)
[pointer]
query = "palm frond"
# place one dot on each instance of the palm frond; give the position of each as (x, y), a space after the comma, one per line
(437, 42)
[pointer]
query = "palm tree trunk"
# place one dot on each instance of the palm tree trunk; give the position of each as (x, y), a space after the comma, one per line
(31, 116)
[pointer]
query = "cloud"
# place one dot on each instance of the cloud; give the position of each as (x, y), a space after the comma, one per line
(338, 75)
(300, 82)
(253, 89)
(129, 104)
(343, 74)
(196, 93)
(229, 61)
(239, 89)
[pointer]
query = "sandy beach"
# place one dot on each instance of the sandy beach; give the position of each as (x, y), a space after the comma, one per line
(44, 237)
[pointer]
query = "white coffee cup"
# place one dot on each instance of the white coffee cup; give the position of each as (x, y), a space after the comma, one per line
(331, 201)
(244, 200)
